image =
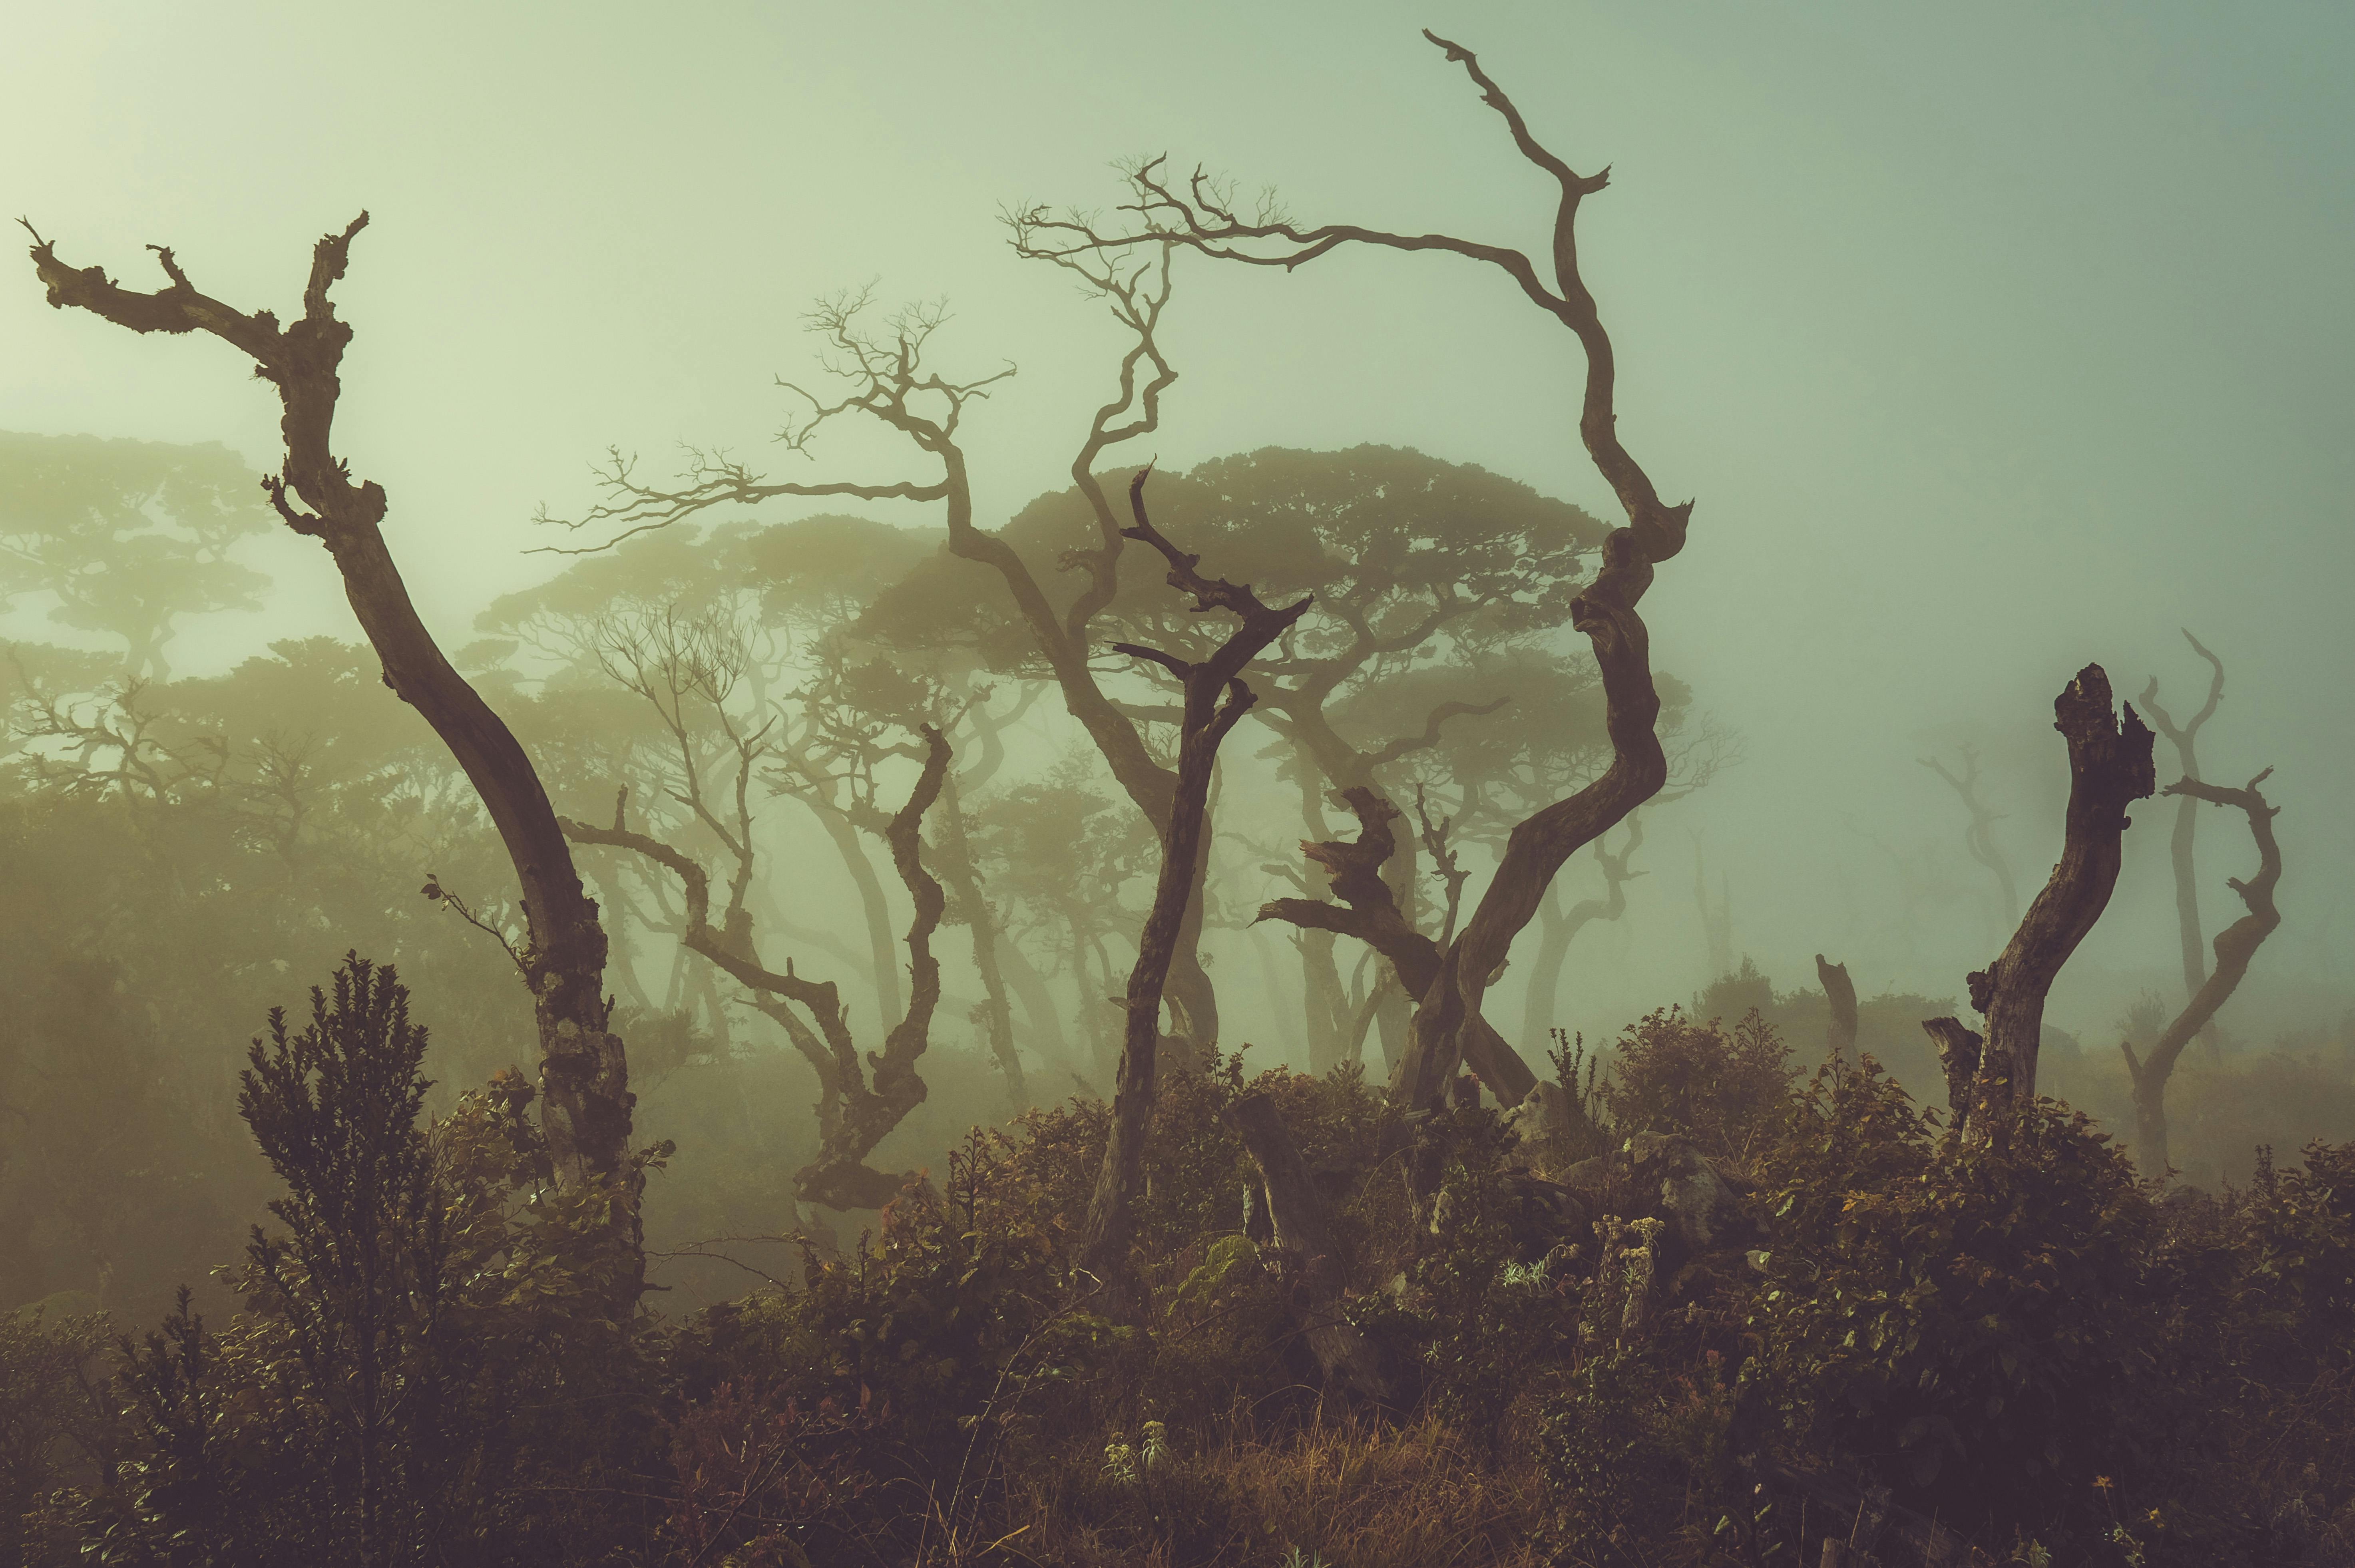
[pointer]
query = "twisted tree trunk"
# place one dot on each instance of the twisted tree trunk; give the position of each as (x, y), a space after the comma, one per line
(586, 1102)
(1448, 1022)
(2236, 945)
(854, 1114)
(2109, 768)
(1216, 698)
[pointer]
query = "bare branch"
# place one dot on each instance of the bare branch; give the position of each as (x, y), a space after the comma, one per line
(586, 1102)
(1407, 744)
(437, 893)
(2183, 736)
(1215, 698)
(1451, 875)
(2235, 946)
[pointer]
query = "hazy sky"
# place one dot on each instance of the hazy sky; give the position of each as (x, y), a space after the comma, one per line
(1992, 339)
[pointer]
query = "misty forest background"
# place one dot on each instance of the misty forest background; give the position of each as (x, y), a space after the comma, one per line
(1992, 344)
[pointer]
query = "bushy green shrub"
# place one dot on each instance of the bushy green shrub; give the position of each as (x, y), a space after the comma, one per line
(1729, 1093)
(58, 1426)
(417, 1340)
(1963, 1318)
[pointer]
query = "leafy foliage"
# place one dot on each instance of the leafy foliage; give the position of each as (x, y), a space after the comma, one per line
(1727, 1093)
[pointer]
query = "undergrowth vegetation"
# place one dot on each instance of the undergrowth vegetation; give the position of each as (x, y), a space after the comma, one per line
(1828, 1318)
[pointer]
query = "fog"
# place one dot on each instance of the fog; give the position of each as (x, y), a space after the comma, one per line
(1989, 342)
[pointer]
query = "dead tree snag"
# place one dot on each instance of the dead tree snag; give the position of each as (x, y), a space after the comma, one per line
(892, 383)
(2187, 818)
(584, 1075)
(1839, 998)
(2236, 945)
(857, 1106)
(1216, 698)
(2109, 768)
(1198, 214)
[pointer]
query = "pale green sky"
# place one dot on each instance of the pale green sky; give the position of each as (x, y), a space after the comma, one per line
(1992, 339)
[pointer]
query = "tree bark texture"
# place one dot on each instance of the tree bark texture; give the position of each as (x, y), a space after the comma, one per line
(586, 1102)
(2109, 768)
(2236, 945)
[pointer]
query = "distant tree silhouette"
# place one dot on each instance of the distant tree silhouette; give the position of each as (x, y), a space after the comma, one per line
(130, 536)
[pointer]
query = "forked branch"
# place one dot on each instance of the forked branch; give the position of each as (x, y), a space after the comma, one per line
(1215, 698)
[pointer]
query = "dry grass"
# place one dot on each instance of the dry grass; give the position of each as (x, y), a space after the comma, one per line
(1355, 1492)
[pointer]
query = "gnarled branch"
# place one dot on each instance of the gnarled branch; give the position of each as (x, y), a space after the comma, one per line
(2109, 768)
(586, 1101)
(2236, 945)
(1216, 698)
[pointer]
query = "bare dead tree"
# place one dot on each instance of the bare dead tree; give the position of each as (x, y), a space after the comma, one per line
(1198, 213)
(584, 1073)
(980, 920)
(2109, 768)
(1840, 998)
(2236, 945)
(891, 382)
(2187, 879)
(857, 1106)
(1978, 838)
(1559, 928)
(1216, 698)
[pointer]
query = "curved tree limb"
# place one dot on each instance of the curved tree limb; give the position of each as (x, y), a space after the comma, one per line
(1404, 745)
(1199, 216)
(1216, 699)
(2236, 945)
(2109, 768)
(586, 1102)
(853, 1114)
(838, 1176)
